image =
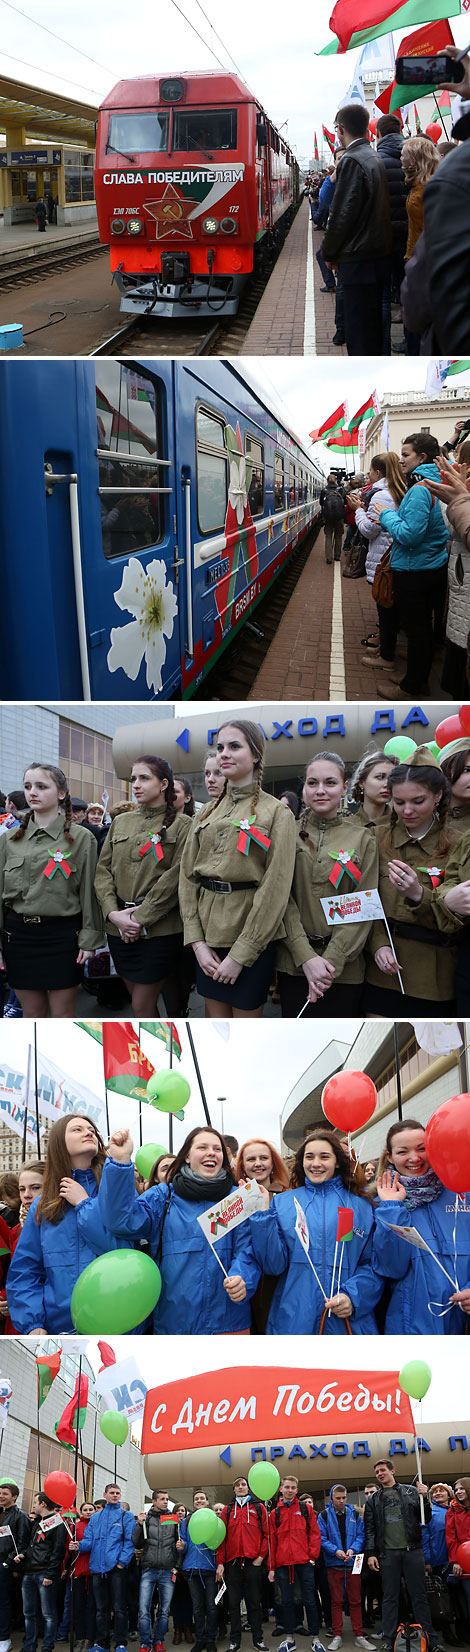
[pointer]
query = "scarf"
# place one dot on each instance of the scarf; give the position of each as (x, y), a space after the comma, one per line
(188, 1185)
(422, 1190)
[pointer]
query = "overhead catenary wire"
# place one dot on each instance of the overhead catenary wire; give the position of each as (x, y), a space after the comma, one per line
(55, 36)
(41, 70)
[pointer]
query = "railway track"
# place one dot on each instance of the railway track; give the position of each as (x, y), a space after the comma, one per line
(235, 672)
(187, 338)
(24, 271)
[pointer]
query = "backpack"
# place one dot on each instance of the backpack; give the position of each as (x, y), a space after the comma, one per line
(410, 1637)
(333, 506)
(304, 1510)
(256, 1504)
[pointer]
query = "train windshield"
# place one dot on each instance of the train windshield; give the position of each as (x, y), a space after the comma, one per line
(142, 133)
(132, 482)
(205, 129)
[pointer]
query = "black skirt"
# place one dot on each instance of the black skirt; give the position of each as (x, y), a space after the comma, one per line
(42, 957)
(251, 989)
(398, 1005)
(338, 1000)
(148, 960)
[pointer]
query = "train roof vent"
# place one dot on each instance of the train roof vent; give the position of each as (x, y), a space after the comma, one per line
(171, 91)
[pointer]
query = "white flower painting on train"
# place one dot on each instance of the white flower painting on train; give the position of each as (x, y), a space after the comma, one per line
(145, 594)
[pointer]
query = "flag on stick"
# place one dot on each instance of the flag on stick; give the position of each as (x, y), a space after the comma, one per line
(48, 1367)
(367, 411)
(334, 422)
(126, 1069)
(161, 1029)
(329, 138)
(72, 1419)
(355, 25)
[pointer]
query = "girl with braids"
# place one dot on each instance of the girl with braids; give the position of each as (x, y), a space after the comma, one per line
(322, 1182)
(184, 799)
(369, 788)
(49, 914)
(409, 1194)
(236, 874)
(63, 1230)
(334, 855)
(414, 849)
(137, 887)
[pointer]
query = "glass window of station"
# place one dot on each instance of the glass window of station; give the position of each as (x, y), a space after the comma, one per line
(78, 171)
(129, 425)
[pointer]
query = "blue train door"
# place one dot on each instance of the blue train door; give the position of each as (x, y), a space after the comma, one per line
(132, 568)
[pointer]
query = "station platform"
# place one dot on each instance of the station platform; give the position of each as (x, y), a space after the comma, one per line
(294, 317)
(25, 240)
(317, 651)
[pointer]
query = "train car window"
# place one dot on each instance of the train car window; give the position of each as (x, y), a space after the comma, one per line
(278, 482)
(255, 451)
(211, 471)
(129, 424)
(205, 129)
(292, 484)
(147, 134)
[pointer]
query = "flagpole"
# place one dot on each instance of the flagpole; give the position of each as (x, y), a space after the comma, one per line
(38, 1137)
(198, 1072)
(94, 1453)
(39, 1443)
(397, 1069)
(441, 117)
(106, 1095)
(26, 1101)
(75, 1473)
(140, 1098)
(170, 1115)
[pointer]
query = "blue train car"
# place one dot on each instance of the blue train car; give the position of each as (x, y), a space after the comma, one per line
(145, 507)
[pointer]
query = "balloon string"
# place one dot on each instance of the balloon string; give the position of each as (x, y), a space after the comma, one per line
(454, 1237)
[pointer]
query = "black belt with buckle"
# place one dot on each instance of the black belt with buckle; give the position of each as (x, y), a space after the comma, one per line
(417, 932)
(219, 888)
(319, 942)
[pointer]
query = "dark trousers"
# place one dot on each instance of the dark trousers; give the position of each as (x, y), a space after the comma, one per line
(339, 306)
(327, 274)
(416, 596)
(338, 1000)
(6, 1582)
(132, 1593)
(408, 1564)
(287, 1577)
(39, 1602)
(84, 1611)
(110, 1591)
(388, 631)
(363, 285)
(243, 1581)
(203, 1589)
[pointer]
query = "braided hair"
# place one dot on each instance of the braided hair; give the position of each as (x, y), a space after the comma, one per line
(321, 756)
(162, 771)
(60, 781)
(434, 781)
(255, 740)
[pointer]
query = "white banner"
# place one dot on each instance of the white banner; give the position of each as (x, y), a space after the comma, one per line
(12, 1105)
(7, 822)
(356, 908)
(231, 1211)
(361, 438)
(123, 1388)
(301, 1226)
(57, 1094)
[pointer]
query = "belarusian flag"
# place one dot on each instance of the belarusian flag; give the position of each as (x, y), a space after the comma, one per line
(380, 17)
(48, 1366)
(94, 1028)
(72, 1418)
(384, 100)
(367, 411)
(419, 128)
(345, 1227)
(162, 1029)
(126, 1069)
(422, 43)
(334, 422)
(329, 138)
(315, 152)
(457, 365)
(444, 102)
(347, 440)
(107, 1355)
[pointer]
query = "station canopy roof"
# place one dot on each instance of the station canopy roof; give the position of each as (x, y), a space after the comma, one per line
(44, 114)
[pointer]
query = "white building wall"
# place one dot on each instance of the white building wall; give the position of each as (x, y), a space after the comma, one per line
(421, 1107)
(27, 732)
(18, 1362)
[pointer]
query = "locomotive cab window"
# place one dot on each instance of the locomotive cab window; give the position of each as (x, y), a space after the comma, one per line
(137, 133)
(211, 470)
(278, 482)
(133, 477)
(255, 451)
(205, 129)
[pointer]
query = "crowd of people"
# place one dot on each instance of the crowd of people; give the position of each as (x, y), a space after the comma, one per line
(85, 1201)
(233, 898)
(395, 228)
(111, 1574)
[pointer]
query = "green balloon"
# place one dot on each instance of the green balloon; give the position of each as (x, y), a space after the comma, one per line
(264, 1479)
(415, 1378)
(115, 1293)
(436, 750)
(114, 1426)
(146, 1157)
(400, 746)
(213, 1542)
(203, 1527)
(168, 1091)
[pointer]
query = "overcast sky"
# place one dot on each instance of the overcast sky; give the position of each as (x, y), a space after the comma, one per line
(309, 393)
(273, 48)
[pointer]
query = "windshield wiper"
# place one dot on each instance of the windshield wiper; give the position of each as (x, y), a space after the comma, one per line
(110, 146)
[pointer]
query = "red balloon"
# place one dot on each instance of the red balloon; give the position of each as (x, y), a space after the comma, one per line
(463, 1557)
(372, 128)
(450, 729)
(349, 1100)
(434, 131)
(447, 1140)
(464, 719)
(61, 1488)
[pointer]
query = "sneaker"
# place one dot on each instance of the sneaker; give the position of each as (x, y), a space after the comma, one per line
(335, 1644)
(144, 1648)
(234, 1647)
(339, 338)
(287, 1646)
(317, 1646)
(159, 1646)
(5, 1646)
(367, 1646)
(260, 1646)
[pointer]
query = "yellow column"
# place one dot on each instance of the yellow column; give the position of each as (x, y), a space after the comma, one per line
(16, 137)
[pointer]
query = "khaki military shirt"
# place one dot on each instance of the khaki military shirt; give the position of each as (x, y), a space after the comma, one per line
(24, 887)
(427, 971)
(124, 873)
(247, 919)
(457, 871)
(305, 918)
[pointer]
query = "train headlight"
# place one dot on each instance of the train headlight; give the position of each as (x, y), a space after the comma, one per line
(210, 226)
(134, 226)
(117, 226)
(228, 225)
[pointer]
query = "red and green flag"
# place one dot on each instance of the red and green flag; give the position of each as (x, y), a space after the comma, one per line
(419, 129)
(345, 1227)
(126, 1069)
(315, 150)
(107, 1355)
(73, 1417)
(334, 422)
(444, 102)
(367, 411)
(329, 138)
(435, 38)
(347, 440)
(94, 1028)
(354, 24)
(48, 1367)
(457, 365)
(162, 1029)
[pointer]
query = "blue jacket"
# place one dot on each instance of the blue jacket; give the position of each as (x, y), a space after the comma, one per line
(196, 1556)
(49, 1258)
(419, 533)
(108, 1538)
(193, 1301)
(331, 1536)
(298, 1302)
(434, 1538)
(418, 1280)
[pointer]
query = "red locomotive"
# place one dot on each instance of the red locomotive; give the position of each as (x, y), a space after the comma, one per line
(193, 185)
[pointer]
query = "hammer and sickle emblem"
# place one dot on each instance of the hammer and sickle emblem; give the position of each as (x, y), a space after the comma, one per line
(173, 211)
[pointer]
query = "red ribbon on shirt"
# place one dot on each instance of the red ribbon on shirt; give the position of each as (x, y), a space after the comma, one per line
(343, 863)
(249, 833)
(155, 844)
(59, 863)
(436, 874)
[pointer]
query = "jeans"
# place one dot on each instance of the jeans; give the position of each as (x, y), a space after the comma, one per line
(333, 540)
(363, 285)
(327, 274)
(165, 1580)
(305, 1576)
(409, 1564)
(243, 1580)
(110, 1589)
(203, 1589)
(38, 1598)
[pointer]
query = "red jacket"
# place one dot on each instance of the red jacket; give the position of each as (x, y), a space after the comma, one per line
(245, 1538)
(294, 1540)
(457, 1529)
(82, 1561)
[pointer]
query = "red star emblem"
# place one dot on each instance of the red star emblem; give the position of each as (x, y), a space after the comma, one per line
(171, 214)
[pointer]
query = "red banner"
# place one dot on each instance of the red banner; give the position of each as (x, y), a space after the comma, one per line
(235, 1406)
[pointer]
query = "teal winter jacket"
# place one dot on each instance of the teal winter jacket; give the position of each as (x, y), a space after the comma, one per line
(419, 533)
